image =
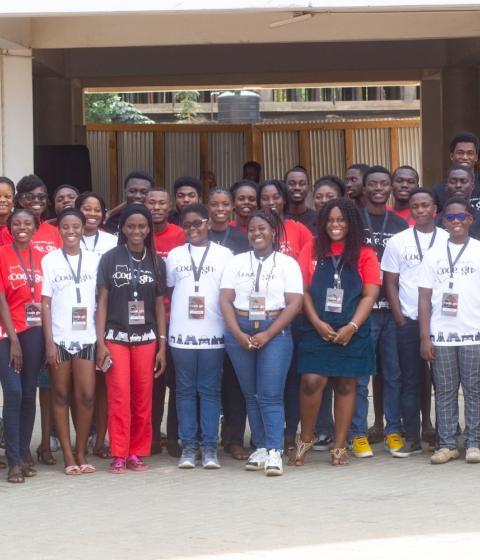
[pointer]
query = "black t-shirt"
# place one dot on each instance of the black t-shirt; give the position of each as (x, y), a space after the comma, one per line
(309, 219)
(378, 240)
(233, 239)
(441, 196)
(114, 273)
(174, 217)
(111, 225)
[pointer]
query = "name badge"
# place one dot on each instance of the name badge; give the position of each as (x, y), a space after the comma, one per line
(79, 318)
(33, 314)
(136, 312)
(449, 304)
(334, 301)
(196, 307)
(256, 308)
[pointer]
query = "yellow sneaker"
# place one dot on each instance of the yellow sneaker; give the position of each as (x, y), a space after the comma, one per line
(361, 448)
(393, 442)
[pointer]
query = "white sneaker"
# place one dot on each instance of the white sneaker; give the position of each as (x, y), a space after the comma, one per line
(472, 455)
(257, 459)
(274, 463)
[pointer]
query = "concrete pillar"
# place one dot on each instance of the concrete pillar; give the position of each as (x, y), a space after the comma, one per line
(431, 114)
(16, 113)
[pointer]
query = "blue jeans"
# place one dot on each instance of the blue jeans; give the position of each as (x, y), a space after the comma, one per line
(198, 372)
(292, 386)
(262, 374)
(408, 343)
(19, 393)
(384, 335)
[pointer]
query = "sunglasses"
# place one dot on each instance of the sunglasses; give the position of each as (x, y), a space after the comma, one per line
(29, 197)
(196, 224)
(461, 217)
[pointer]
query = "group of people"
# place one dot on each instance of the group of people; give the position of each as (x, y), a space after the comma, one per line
(274, 301)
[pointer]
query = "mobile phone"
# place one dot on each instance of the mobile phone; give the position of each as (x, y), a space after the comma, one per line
(107, 364)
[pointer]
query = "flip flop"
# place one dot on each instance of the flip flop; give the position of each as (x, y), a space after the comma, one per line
(117, 466)
(73, 470)
(87, 468)
(134, 463)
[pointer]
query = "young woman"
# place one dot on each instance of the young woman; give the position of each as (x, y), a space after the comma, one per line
(244, 194)
(98, 242)
(131, 336)
(196, 333)
(21, 340)
(68, 309)
(260, 296)
(341, 279)
(7, 194)
(325, 189)
(272, 195)
(219, 204)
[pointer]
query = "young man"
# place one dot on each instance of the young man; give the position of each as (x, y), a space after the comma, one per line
(252, 171)
(136, 186)
(187, 190)
(380, 225)
(464, 149)
(167, 237)
(401, 263)
(298, 187)
(448, 311)
(404, 183)
(354, 183)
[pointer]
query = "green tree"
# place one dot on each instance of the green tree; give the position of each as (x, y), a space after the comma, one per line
(189, 108)
(110, 107)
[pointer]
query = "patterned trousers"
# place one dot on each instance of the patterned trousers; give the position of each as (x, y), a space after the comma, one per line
(453, 366)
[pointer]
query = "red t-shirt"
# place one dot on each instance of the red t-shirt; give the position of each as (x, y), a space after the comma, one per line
(297, 236)
(404, 214)
(234, 224)
(368, 266)
(13, 283)
(172, 236)
(46, 238)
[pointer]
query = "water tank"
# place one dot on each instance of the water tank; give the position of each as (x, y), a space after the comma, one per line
(238, 107)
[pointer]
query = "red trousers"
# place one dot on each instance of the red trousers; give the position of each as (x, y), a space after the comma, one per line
(129, 395)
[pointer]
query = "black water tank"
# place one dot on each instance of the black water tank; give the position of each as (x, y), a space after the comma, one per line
(238, 107)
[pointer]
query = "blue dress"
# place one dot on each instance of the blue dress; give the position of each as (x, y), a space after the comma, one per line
(316, 355)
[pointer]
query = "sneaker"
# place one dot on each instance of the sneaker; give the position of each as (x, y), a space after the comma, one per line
(322, 443)
(256, 461)
(188, 458)
(209, 458)
(443, 455)
(54, 444)
(361, 448)
(274, 463)
(409, 448)
(472, 455)
(393, 442)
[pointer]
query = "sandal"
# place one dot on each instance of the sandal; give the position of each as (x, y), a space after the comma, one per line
(45, 456)
(28, 471)
(134, 463)
(238, 452)
(103, 452)
(117, 466)
(87, 468)
(301, 450)
(15, 475)
(28, 459)
(3, 465)
(339, 456)
(73, 470)
(375, 433)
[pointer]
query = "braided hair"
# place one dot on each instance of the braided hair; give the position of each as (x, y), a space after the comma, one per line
(274, 221)
(355, 239)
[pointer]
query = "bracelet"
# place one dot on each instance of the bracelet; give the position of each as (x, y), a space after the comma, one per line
(162, 337)
(354, 325)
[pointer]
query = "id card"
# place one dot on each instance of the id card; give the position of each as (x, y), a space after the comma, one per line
(449, 304)
(196, 307)
(256, 308)
(33, 314)
(334, 300)
(136, 312)
(79, 318)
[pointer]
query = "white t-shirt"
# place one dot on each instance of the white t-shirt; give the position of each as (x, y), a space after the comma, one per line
(434, 273)
(105, 242)
(195, 334)
(401, 257)
(59, 284)
(280, 274)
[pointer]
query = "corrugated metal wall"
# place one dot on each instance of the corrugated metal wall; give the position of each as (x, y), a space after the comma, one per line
(182, 155)
(280, 152)
(410, 148)
(97, 142)
(327, 153)
(135, 153)
(371, 146)
(226, 156)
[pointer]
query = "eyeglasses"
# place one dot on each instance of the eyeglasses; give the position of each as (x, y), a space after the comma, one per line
(29, 197)
(196, 224)
(461, 217)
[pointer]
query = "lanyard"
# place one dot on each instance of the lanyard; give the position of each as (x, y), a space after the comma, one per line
(336, 275)
(368, 220)
(419, 249)
(453, 263)
(76, 277)
(135, 270)
(30, 276)
(259, 271)
(95, 241)
(198, 271)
